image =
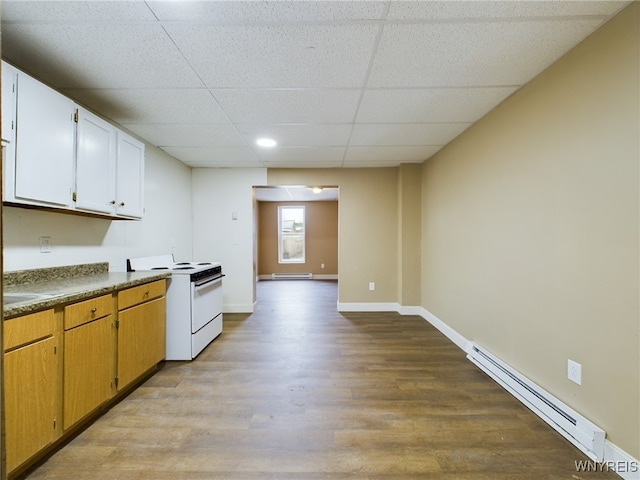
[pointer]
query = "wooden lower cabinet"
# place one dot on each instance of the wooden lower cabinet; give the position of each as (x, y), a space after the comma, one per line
(141, 339)
(61, 365)
(31, 386)
(88, 368)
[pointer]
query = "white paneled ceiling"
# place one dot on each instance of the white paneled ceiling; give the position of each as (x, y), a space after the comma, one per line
(335, 83)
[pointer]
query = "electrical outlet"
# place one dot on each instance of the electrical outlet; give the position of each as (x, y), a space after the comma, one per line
(45, 244)
(574, 372)
(322, 265)
(372, 286)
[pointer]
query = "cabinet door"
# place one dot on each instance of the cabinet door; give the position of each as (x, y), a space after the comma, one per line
(129, 177)
(30, 390)
(44, 144)
(95, 164)
(141, 339)
(88, 368)
(9, 76)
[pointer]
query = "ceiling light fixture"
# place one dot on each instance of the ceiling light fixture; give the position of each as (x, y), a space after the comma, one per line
(266, 142)
(316, 189)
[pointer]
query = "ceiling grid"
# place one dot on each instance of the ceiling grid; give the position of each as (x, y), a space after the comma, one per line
(337, 84)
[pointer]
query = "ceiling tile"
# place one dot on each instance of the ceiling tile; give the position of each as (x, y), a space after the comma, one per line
(388, 155)
(153, 105)
(266, 11)
(277, 56)
(436, 105)
(185, 135)
(301, 156)
(498, 9)
(472, 54)
(406, 134)
(109, 55)
(298, 135)
(227, 156)
(289, 106)
(74, 11)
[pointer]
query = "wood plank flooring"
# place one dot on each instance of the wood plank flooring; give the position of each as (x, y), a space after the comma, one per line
(297, 391)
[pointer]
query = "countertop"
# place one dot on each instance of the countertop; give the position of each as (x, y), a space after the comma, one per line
(69, 284)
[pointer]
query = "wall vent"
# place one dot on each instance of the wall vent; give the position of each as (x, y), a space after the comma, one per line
(291, 276)
(574, 427)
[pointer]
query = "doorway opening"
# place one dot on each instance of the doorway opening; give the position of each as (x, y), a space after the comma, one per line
(295, 233)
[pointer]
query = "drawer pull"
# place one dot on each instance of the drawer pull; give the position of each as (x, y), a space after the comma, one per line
(94, 310)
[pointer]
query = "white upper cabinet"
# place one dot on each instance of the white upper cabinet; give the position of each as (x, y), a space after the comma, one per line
(45, 144)
(95, 164)
(129, 177)
(59, 155)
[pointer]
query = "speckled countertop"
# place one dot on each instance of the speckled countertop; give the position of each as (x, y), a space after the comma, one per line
(68, 284)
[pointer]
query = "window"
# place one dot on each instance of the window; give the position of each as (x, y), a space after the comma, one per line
(290, 234)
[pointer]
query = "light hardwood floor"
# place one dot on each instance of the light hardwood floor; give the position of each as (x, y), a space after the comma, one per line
(297, 391)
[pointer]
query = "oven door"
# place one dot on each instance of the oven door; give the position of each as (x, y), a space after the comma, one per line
(206, 301)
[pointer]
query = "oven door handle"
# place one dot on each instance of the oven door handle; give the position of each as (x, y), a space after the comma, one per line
(207, 281)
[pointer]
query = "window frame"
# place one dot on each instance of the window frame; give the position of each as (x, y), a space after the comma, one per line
(282, 235)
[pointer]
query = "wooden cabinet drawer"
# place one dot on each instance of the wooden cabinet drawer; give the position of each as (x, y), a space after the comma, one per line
(28, 328)
(140, 294)
(87, 311)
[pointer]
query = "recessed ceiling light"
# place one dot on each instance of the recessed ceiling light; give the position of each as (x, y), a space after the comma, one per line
(316, 189)
(266, 142)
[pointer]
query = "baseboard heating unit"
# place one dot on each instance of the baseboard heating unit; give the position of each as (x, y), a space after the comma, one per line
(291, 276)
(574, 427)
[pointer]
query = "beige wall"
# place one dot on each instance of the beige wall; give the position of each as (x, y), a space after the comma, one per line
(530, 230)
(409, 234)
(321, 239)
(368, 221)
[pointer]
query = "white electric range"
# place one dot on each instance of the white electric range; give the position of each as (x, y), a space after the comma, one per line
(194, 303)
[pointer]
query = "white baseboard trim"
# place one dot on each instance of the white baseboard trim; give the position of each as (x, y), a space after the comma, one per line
(325, 276)
(619, 461)
(238, 308)
(368, 307)
(445, 329)
(315, 276)
(409, 310)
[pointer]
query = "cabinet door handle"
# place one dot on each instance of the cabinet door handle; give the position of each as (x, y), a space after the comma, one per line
(122, 204)
(113, 202)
